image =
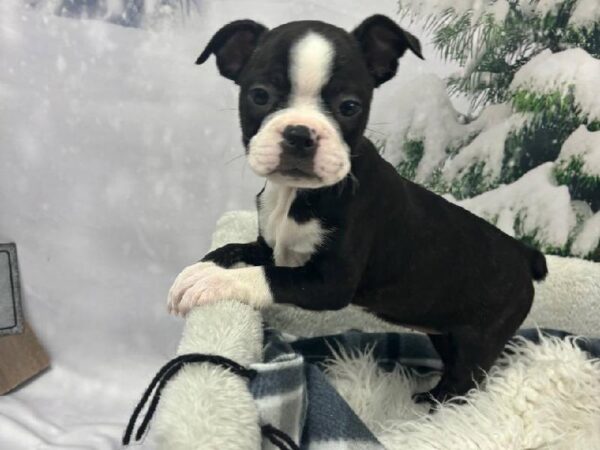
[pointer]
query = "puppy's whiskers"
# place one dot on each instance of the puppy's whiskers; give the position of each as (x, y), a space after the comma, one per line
(376, 131)
(352, 180)
(261, 154)
(229, 161)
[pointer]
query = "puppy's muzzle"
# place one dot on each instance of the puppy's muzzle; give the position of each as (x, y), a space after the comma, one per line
(298, 149)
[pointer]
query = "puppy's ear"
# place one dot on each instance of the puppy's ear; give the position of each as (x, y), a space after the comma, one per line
(232, 45)
(383, 42)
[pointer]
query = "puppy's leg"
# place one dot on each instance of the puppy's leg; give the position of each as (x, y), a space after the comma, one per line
(319, 287)
(443, 346)
(468, 355)
(256, 253)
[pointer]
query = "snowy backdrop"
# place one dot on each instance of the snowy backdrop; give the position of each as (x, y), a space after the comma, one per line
(118, 154)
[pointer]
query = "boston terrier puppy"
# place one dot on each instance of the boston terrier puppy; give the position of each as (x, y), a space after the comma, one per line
(337, 223)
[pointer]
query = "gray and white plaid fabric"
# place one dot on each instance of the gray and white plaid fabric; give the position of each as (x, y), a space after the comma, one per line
(294, 395)
(297, 398)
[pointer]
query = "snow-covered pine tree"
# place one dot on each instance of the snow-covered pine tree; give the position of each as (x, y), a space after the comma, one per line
(527, 156)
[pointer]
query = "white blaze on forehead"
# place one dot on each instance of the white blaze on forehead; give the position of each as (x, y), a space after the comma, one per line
(311, 59)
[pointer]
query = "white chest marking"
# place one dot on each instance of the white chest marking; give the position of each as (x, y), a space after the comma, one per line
(293, 244)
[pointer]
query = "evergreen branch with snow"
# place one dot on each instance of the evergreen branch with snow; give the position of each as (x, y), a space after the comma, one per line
(529, 159)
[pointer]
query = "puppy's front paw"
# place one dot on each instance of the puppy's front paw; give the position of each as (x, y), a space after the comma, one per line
(212, 285)
(186, 279)
(201, 284)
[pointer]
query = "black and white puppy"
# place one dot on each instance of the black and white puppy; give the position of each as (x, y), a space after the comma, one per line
(338, 225)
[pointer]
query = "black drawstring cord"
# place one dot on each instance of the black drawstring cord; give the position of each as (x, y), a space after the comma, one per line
(163, 376)
(154, 403)
(166, 372)
(278, 438)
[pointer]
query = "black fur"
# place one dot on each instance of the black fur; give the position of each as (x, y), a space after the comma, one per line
(395, 248)
(232, 46)
(383, 43)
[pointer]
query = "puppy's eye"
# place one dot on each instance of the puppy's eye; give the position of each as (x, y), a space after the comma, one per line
(259, 96)
(349, 108)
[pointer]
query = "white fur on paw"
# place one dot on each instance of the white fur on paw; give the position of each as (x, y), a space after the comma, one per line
(186, 279)
(207, 284)
(216, 285)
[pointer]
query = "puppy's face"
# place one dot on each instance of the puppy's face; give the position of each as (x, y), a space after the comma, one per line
(305, 92)
(304, 102)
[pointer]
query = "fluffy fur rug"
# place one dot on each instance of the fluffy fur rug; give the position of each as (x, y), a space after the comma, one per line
(541, 397)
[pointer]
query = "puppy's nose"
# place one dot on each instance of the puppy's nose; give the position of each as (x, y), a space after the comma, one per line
(297, 138)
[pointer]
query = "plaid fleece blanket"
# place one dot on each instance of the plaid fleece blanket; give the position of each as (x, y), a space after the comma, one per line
(294, 395)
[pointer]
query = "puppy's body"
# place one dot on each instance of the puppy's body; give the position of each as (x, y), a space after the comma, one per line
(330, 236)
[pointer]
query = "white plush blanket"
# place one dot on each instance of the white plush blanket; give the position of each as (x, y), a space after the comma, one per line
(541, 396)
